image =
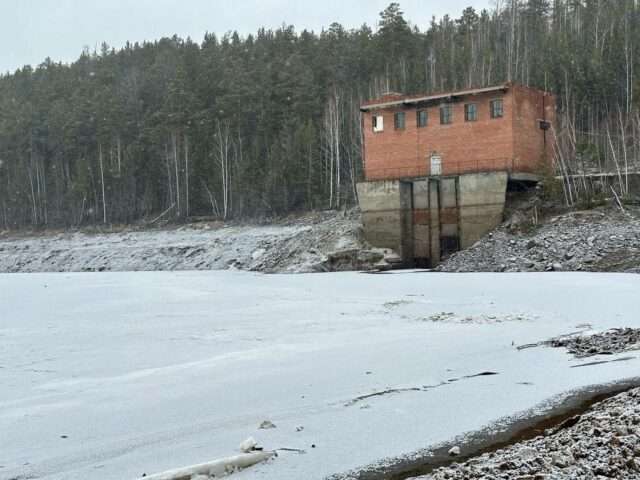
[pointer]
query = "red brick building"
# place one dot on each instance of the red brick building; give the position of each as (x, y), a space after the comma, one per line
(499, 128)
(437, 167)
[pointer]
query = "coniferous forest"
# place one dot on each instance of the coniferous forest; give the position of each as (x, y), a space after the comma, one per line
(265, 124)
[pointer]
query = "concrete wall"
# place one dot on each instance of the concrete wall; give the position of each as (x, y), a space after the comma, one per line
(481, 203)
(434, 210)
(422, 220)
(418, 219)
(448, 205)
(386, 215)
(532, 146)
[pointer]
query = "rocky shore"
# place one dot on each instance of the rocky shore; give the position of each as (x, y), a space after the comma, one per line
(602, 443)
(603, 239)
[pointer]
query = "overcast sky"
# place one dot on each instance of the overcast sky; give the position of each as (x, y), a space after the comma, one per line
(31, 30)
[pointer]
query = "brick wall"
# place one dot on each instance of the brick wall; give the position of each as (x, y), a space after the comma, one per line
(532, 106)
(512, 143)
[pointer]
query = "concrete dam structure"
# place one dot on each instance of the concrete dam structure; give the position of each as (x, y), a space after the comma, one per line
(437, 167)
(425, 219)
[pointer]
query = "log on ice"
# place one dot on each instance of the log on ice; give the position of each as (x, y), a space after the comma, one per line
(215, 469)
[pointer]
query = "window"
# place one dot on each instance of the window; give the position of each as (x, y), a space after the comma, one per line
(446, 114)
(470, 112)
(399, 120)
(422, 118)
(378, 123)
(497, 108)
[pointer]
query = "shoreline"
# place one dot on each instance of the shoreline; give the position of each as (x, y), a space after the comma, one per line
(496, 436)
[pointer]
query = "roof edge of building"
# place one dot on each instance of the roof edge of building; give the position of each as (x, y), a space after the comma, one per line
(410, 100)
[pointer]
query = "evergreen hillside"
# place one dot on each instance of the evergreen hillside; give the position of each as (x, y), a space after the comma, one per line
(269, 123)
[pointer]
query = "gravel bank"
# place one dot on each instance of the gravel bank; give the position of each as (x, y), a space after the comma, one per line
(602, 239)
(604, 442)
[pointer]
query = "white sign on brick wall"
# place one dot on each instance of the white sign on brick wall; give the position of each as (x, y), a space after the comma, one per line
(436, 164)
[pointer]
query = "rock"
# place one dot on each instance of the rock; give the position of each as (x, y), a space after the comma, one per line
(621, 431)
(392, 258)
(562, 461)
(557, 267)
(454, 451)
(258, 253)
(353, 259)
(527, 453)
(266, 425)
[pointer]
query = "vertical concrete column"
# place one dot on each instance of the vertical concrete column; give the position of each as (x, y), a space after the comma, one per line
(449, 215)
(482, 198)
(421, 221)
(434, 220)
(407, 235)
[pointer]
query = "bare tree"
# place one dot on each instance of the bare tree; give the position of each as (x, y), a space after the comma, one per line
(186, 173)
(174, 144)
(223, 154)
(332, 147)
(104, 199)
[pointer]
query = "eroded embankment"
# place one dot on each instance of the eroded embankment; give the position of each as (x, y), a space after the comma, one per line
(321, 241)
(553, 417)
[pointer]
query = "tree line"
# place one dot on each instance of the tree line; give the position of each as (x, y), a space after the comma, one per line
(269, 123)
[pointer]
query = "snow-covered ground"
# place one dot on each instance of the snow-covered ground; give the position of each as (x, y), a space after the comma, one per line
(109, 376)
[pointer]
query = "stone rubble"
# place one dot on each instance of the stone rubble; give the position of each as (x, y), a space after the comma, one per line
(602, 239)
(607, 343)
(602, 443)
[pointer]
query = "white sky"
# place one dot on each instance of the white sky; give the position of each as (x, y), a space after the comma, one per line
(31, 30)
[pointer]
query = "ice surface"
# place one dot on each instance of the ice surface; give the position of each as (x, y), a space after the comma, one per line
(109, 376)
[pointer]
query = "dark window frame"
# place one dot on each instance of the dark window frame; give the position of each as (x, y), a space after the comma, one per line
(446, 114)
(494, 112)
(399, 120)
(422, 118)
(470, 112)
